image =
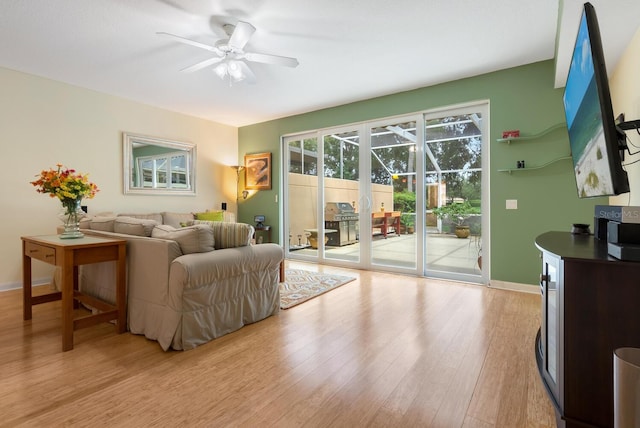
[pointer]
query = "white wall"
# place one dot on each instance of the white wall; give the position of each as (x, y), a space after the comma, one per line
(43, 122)
(303, 197)
(624, 84)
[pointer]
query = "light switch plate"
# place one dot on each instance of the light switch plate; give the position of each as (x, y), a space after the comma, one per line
(512, 204)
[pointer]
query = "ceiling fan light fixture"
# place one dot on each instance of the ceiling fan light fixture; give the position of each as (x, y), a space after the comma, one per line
(231, 70)
(221, 70)
(235, 71)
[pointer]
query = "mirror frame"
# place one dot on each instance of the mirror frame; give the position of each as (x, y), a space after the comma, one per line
(128, 141)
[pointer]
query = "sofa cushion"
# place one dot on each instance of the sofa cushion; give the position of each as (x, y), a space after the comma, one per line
(229, 235)
(210, 216)
(85, 223)
(192, 239)
(157, 217)
(103, 224)
(177, 219)
(133, 226)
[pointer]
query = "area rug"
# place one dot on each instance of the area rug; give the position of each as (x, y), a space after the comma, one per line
(302, 285)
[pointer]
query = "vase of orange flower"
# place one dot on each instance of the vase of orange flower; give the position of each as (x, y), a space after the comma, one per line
(71, 214)
(70, 187)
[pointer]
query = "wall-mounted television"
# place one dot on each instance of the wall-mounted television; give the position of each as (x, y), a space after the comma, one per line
(597, 144)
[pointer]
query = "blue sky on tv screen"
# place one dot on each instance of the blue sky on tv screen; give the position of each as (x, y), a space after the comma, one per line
(580, 73)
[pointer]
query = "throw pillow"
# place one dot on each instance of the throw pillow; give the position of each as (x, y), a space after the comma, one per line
(104, 224)
(229, 235)
(133, 226)
(210, 216)
(192, 239)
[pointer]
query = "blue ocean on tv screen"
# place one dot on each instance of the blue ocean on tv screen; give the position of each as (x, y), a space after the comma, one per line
(582, 106)
(584, 121)
(588, 122)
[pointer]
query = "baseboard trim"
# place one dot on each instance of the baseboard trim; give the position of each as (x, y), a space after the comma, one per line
(16, 285)
(503, 285)
(515, 286)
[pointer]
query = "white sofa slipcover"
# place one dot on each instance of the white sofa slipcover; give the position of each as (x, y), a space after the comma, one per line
(184, 300)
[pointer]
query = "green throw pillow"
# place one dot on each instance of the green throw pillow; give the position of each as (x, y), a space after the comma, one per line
(211, 216)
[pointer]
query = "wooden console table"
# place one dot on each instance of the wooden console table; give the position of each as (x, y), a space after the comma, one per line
(68, 254)
(388, 219)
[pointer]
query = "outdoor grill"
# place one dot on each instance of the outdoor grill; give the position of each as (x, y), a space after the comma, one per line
(341, 216)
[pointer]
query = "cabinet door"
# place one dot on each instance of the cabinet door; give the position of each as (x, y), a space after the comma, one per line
(549, 283)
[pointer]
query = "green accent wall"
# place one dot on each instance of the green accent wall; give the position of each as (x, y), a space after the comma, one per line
(519, 98)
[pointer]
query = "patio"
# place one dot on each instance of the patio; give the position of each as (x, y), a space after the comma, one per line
(445, 252)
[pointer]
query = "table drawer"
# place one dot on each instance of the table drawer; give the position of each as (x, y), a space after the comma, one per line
(40, 252)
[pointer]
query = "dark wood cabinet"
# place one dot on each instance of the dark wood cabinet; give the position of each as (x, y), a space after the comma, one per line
(590, 307)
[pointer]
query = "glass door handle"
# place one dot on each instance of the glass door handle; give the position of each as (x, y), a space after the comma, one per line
(365, 202)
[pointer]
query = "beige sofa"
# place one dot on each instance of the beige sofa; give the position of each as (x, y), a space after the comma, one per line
(188, 281)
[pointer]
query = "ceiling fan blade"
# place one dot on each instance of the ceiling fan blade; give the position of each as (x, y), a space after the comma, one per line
(202, 64)
(192, 43)
(271, 59)
(241, 35)
(249, 77)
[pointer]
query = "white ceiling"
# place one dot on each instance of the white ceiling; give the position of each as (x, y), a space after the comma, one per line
(349, 50)
(618, 20)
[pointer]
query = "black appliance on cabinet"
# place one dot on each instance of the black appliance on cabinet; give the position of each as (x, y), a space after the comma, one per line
(341, 217)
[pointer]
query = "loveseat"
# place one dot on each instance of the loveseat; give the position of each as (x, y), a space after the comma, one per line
(188, 280)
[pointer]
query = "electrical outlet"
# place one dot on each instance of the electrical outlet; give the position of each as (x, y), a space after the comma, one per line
(512, 204)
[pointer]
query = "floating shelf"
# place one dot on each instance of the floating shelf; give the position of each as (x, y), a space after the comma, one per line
(510, 170)
(532, 137)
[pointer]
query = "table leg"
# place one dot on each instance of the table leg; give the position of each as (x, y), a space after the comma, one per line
(76, 286)
(26, 285)
(121, 290)
(396, 226)
(67, 299)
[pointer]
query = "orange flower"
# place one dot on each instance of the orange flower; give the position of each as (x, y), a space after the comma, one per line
(65, 184)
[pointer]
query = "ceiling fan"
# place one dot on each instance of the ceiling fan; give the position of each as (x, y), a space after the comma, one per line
(230, 55)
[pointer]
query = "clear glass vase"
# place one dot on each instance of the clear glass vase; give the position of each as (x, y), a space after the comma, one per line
(71, 215)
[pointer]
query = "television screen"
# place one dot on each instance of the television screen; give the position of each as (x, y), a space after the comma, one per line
(593, 136)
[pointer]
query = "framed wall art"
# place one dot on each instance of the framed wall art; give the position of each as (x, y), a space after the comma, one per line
(257, 169)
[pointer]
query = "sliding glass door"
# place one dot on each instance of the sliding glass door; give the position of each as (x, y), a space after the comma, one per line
(376, 195)
(342, 195)
(301, 198)
(456, 188)
(393, 193)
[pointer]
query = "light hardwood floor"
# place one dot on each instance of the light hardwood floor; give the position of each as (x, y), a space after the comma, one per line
(385, 350)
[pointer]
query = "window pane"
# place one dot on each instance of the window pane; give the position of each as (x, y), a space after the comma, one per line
(310, 156)
(161, 172)
(146, 167)
(341, 155)
(178, 171)
(393, 157)
(453, 143)
(295, 157)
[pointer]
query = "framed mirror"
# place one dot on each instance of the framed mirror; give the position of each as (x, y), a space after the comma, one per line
(154, 166)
